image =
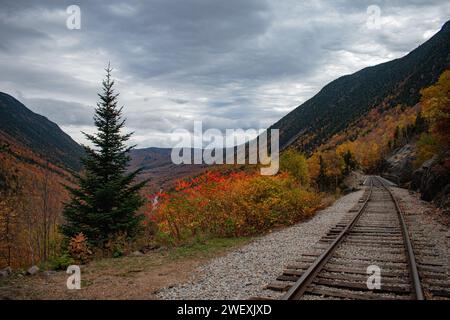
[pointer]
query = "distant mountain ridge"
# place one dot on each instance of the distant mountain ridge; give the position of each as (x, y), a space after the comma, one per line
(157, 165)
(150, 158)
(347, 98)
(31, 135)
(37, 133)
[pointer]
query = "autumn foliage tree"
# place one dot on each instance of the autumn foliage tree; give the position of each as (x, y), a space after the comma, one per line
(9, 190)
(436, 109)
(295, 163)
(30, 205)
(105, 202)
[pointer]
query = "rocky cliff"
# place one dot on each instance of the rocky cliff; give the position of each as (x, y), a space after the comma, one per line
(432, 180)
(399, 166)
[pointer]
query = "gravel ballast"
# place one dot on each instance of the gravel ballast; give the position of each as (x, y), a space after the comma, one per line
(243, 273)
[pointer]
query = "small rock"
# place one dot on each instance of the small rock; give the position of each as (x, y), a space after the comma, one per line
(50, 273)
(33, 270)
(137, 254)
(5, 272)
(161, 248)
(149, 248)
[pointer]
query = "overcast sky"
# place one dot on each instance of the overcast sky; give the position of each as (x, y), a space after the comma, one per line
(232, 64)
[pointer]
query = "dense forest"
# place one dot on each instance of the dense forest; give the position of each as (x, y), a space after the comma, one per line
(31, 202)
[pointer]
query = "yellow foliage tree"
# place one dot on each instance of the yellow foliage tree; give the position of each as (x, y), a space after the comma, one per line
(314, 165)
(295, 163)
(436, 109)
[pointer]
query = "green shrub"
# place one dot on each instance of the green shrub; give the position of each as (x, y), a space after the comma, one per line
(296, 165)
(117, 252)
(61, 262)
(427, 147)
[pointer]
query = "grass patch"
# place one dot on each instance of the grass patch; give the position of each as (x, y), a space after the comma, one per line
(207, 248)
(197, 250)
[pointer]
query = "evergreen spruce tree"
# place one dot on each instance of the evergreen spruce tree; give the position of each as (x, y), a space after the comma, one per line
(106, 199)
(349, 162)
(322, 178)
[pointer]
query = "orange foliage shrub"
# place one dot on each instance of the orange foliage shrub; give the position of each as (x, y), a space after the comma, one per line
(239, 204)
(78, 248)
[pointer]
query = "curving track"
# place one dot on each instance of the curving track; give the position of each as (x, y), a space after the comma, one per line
(373, 234)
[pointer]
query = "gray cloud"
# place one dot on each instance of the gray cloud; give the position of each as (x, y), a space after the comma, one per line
(62, 112)
(235, 63)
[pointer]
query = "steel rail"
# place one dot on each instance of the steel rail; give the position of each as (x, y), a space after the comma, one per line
(418, 292)
(299, 287)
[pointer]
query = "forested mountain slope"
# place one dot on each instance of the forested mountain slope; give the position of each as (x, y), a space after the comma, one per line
(19, 125)
(348, 98)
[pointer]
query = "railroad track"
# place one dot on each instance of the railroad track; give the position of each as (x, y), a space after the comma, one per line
(374, 234)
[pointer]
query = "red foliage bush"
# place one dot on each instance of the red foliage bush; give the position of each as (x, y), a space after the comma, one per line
(238, 204)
